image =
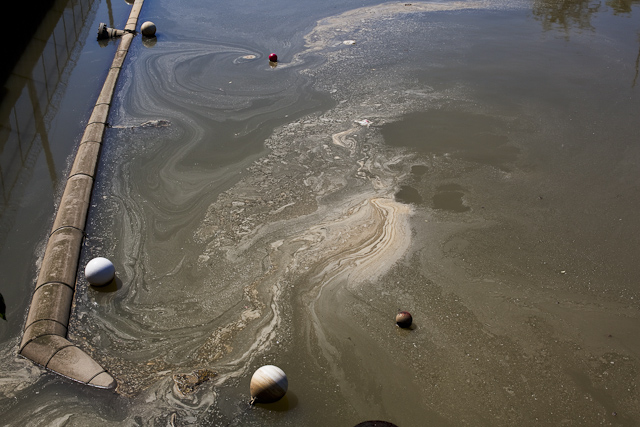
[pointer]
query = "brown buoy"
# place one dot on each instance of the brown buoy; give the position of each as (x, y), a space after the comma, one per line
(268, 384)
(404, 319)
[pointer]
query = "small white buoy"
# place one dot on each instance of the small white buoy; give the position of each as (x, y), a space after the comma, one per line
(148, 29)
(99, 271)
(268, 384)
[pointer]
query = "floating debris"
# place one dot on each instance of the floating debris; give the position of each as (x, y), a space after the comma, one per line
(187, 383)
(155, 124)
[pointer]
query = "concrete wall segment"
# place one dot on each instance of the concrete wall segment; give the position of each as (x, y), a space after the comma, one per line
(99, 114)
(75, 364)
(51, 301)
(40, 328)
(106, 94)
(103, 380)
(86, 159)
(126, 42)
(119, 58)
(61, 257)
(44, 339)
(74, 204)
(42, 349)
(93, 133)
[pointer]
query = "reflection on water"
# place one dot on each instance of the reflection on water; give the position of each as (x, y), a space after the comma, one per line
(34, 146)
(31, 101)
(487, 192)
(622, 6)
(565, 14)
(35, 142)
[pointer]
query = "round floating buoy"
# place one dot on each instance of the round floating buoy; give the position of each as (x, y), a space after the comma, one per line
(99, 271)
(268, 384)
(404, 319)
(148, 29)
(273, 57)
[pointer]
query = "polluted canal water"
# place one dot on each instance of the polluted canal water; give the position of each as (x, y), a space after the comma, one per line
(475, 164)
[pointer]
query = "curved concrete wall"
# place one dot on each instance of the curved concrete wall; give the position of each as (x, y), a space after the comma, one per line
(44, 340)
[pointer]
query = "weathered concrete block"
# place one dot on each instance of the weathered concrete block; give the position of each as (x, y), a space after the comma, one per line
(106, 94)
(125, 42)
(135, 9)
(103, 380)
(86, 159)
(93, 133)
(118, 59)
(51, 301)
(131, 24)
(75, 364)
(99, 114)
(42, 349)
(74, 204)
(40, 328)
(60, 260)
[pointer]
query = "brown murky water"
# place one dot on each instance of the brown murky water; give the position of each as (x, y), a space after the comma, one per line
(492, 192)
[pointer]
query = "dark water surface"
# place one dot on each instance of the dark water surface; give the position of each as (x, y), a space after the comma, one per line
(492, 191)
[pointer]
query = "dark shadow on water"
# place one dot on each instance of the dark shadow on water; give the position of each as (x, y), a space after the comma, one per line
(404, 331)
(289, 401)
(419, 170)
(376, 424)
(449, 198)
(408, 195)
(113, 286)
(3, 308)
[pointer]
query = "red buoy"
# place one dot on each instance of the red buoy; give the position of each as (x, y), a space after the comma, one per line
(404, 319)
(273, 57)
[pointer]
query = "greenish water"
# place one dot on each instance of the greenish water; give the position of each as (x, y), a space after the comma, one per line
(493, 194)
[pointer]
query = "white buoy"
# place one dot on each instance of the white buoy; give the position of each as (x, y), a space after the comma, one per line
(268, 384)
(148, 29)
(99, 271)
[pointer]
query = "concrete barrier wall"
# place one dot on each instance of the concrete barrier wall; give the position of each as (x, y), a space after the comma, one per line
(44, 340)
